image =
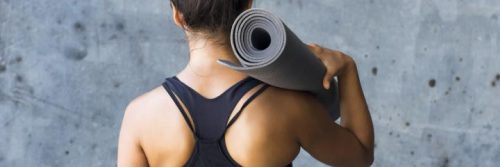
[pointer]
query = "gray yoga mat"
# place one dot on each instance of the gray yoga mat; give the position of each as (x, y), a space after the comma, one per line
(267, 50)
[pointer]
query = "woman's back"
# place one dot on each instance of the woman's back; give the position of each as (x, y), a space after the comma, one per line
(264, 134)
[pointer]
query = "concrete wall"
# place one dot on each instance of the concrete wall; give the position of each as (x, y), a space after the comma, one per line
(429, 68)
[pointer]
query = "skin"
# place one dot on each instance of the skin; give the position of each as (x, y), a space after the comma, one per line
(269, 131)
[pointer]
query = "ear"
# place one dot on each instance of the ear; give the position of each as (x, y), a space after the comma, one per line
(177, 16)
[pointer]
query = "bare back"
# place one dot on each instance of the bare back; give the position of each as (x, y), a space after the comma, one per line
(268, 132)
(261, 134)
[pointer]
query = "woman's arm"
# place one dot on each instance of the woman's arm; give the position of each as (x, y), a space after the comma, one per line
(355, 115)
(130, 153)
(351, 143)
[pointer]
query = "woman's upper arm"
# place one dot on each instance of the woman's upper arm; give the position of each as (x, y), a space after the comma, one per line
(324, 139)
(130, 153)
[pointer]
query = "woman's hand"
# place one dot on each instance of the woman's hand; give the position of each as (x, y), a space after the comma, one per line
(335, 62)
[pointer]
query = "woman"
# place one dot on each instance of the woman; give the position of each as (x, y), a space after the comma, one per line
(210, 115)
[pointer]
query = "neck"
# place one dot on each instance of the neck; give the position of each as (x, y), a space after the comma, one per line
(203, 57)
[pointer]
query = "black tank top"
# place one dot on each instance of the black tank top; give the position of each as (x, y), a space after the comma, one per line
(210, 117)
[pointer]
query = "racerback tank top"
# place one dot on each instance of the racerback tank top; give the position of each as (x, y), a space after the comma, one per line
(210, 118)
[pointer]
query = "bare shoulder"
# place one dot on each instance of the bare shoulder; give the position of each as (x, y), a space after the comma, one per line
(151, 127)
(148, 102)
(294, 103)
(301, 110)
(290, 106)
(146, 109)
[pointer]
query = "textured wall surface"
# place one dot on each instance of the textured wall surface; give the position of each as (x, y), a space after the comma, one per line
(430, 70)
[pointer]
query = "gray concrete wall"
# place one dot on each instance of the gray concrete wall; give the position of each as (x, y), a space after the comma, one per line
(430, 70)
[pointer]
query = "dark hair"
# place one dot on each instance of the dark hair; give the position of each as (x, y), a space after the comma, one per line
(212, 16)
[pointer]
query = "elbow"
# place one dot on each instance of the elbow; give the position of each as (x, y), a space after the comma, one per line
(365, 157)
(362, 160)
(369, 157)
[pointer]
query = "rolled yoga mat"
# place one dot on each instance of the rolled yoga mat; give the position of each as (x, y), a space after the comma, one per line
(268, 51)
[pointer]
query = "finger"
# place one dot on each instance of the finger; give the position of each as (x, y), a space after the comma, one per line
(310, 46)
(327, 80)
(326, 84)
(317, 45)
(313, 45)
(315, 49)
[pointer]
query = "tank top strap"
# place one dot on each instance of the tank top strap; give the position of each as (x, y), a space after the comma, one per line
(245, 104)
(168, 87)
